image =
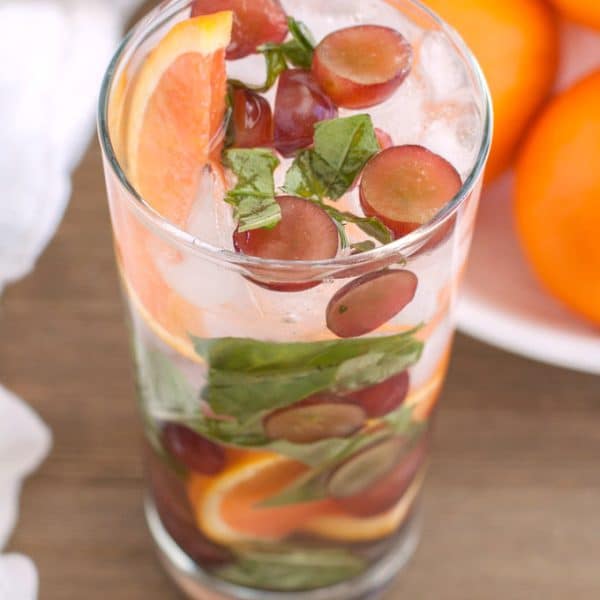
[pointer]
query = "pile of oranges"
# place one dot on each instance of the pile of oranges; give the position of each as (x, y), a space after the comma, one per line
(551, 138)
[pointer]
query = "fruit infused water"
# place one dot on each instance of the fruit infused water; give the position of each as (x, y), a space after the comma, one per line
(293, 188)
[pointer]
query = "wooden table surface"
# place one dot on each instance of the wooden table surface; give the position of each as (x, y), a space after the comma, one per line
(512, 503)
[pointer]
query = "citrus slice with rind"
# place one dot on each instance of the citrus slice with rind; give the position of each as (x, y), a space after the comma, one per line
(166, 122)
(176, 113)
(228, 507)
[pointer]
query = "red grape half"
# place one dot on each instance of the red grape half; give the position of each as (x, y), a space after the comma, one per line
(318, 418)
(362, 66)
(299, 104)
(252, 120)
(361, 471)
(255, 22)
(382, 494)
(173, 506)
(368, 302)
(406, 186)
(192, 450)
(305, 232)
(383, 398)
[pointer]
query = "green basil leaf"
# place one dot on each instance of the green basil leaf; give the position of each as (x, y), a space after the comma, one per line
(372, 226)
(302, 178)
(292, 568)
(369, 369)
(301, 33)
(247, 377)
(276, 65)
(254, 194)
(254, 169)
(342, 148)
(299, 50)
(256, 213)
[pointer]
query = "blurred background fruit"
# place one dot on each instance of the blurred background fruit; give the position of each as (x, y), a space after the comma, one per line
(586, 12)
(557, 197)
(539, 219)
(516, 43)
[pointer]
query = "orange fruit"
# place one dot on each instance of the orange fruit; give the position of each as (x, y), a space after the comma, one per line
(516, 44)
(166, 124)
(557, 197)
(586, 12)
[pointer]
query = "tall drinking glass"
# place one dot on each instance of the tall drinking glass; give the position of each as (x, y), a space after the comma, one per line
(287, 404)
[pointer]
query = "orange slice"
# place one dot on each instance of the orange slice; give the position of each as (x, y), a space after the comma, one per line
(178, 319)
(165, 124)
(177, 109)
(228, 507)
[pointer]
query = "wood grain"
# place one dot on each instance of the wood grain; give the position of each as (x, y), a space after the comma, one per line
(511, 505)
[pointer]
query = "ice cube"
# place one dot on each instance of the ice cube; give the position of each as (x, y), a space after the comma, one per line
(211, 218)
(402, 116)
(443, 136)
(441, 66)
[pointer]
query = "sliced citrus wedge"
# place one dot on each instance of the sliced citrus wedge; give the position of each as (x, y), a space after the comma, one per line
(228, 507)
(176, 321)
(177, 109)
(165, 124)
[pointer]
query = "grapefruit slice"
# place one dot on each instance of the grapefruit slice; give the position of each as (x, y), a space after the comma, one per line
(176, 113)
(165, 129)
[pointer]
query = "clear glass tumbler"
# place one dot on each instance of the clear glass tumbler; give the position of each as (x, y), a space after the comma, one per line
(285, 446)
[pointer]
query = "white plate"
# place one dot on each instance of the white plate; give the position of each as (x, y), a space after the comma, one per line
(503, 304)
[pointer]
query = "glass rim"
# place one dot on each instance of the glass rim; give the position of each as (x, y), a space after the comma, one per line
(180, 237)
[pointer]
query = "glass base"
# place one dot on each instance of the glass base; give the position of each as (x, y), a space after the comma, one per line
(200, 585)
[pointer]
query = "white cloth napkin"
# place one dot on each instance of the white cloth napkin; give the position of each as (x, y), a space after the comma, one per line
(52, 57)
